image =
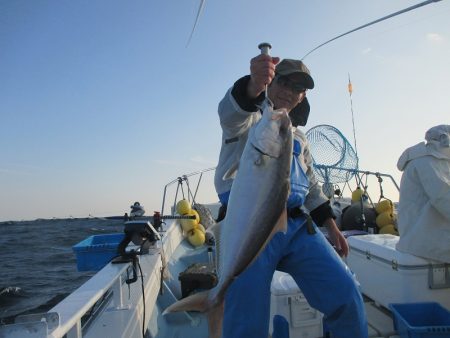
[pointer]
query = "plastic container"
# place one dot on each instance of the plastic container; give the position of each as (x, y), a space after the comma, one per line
(94, 252)
(288, 302)
(390, 276)
(421, 320)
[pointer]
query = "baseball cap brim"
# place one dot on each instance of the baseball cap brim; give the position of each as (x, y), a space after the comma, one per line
(291, 66)
(306, 79)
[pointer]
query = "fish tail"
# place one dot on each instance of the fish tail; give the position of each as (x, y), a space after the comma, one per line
(215, 319)
(197, 302)
(200, 302)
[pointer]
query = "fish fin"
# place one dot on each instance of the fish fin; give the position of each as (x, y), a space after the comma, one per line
(196, 302)
(215, 319)
(231, 173)
(215, 230)
(199, 302)
(281, 223)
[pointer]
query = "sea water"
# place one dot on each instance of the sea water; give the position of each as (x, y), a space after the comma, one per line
(37, 264)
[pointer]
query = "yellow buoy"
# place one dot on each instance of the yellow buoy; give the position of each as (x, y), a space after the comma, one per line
(388, 229)
(189, 224)
(196, 237)
(183, 207)
(357, 194)
(384, 205)
(197, 216)
(385, 218)
(201, 227)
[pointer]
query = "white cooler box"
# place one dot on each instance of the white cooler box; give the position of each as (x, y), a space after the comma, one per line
(288, 301)
(389, 276)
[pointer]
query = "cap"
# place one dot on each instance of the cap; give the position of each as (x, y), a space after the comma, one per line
(291, 66)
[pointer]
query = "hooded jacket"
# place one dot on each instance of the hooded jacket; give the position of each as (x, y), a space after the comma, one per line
(424, 205)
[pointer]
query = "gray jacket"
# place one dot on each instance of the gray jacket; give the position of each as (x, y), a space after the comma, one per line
(236, 123)
(423, 209)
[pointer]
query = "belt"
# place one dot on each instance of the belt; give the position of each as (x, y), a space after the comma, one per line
(298, 212)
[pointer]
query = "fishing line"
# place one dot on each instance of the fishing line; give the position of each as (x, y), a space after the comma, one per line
(372, 23)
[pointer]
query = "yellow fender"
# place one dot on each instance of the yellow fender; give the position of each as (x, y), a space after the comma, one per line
(357, 194)
(385, 218)
(383, 206)
(388, 229)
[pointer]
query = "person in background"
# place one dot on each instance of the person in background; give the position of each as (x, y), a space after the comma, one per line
(303, 251)
(424, 205)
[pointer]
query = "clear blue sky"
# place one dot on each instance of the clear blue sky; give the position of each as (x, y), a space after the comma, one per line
(102, 104)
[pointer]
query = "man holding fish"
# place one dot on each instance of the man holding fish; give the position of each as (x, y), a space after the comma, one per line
(265, 180)
(301, 249)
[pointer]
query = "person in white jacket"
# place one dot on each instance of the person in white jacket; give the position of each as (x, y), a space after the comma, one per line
(303, 251)
(424, 205)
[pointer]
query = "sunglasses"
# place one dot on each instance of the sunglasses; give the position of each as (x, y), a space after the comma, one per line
(287, 83)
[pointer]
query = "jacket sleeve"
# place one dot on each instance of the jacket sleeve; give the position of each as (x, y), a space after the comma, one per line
(239, 93)
(236, 108)
(316, 202)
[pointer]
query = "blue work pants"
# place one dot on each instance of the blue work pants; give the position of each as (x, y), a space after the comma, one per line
(318, 270)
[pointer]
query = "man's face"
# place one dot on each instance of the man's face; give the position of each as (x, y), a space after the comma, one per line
(286, 91)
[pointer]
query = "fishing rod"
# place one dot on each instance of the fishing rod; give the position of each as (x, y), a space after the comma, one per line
(265, 49)
(199, 12)
(372, 23)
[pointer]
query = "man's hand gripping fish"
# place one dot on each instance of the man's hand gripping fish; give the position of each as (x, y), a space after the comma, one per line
(256, 210)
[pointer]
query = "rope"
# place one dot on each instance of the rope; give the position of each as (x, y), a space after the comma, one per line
(380, 181)
(189, 191)
(180, 181)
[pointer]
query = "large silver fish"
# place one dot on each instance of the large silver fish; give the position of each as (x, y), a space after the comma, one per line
(256, 210)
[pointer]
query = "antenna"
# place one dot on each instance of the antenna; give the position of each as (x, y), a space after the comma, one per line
(350, 92)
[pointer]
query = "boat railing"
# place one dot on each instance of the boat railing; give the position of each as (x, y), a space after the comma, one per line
(366, 180)
(184, 181)
(106, 295)
(359, 173)
(66, 318)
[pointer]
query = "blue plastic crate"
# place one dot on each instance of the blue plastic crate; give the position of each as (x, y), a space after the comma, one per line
(94, 252)
(421, 320)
